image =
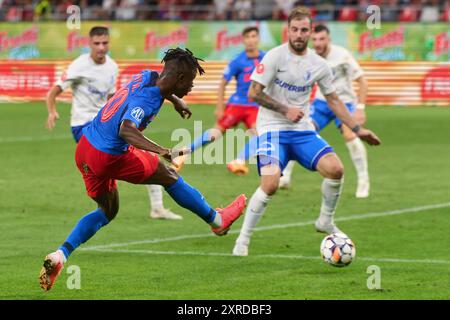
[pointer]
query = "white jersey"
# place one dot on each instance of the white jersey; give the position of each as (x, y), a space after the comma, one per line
(345, 70)
(91, 84)
(289, 79)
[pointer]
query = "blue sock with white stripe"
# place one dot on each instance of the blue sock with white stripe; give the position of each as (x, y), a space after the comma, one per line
(84, 230)
(188, 197)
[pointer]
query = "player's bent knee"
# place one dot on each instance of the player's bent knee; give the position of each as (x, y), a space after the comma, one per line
(172, 175)
(111, 209)
(111, 213)
(330, 166)
(269, 183)
(337, 171)
(109, 203)
(348, 134)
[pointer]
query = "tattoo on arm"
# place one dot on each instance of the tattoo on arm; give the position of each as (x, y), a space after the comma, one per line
(264, 100)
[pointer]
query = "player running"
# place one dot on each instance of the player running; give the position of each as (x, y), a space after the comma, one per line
(345, 71)
(282, 84)
(238, 108)
(113, 148)
(92, 77)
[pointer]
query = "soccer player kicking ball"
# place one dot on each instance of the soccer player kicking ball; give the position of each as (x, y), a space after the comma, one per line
(345, 71)
(238, 108)
(113, 148)
(282, 85)
(92, 77)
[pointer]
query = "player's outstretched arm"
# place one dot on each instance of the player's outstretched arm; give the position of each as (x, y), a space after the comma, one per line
(344, 115)
(180, 106)
(220, 107)
(130, 133)
(256, 93)
(51, 107)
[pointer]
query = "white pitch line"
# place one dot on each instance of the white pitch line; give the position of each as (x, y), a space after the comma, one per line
(32, 139)
(276, 226)
(272, 256)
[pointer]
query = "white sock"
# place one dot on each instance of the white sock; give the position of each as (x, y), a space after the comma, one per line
(358, 154)
(156, 196)
(255, 210)
(331, 191)
(287, 172)
(62, 255)
(217, 222)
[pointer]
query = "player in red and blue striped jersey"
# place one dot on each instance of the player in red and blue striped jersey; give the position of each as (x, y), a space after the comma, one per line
(113, 148)
(238, 108)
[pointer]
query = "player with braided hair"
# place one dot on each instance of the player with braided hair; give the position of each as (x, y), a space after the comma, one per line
(113, 148)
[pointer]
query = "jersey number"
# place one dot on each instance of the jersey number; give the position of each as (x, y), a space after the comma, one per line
(114, 104)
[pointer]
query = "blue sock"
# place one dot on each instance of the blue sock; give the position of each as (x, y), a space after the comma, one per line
(205, 138)
(189, 198)
(249, 149)
(84, 230)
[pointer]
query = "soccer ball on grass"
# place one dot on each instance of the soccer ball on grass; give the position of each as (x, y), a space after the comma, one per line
(337, 249)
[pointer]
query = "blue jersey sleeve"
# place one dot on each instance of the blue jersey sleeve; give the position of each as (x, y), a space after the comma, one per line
(138, 110)
(231, 70)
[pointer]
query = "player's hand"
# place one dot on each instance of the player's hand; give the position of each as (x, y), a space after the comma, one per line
(51, 120)
(360, 116)
(368, 136)
(294, 114)
(182, 108)
(173, 153)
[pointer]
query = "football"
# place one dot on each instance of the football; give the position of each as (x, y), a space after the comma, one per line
(338, 250)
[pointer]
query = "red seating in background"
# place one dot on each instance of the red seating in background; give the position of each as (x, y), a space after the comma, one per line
(408, 14)
(348, 14)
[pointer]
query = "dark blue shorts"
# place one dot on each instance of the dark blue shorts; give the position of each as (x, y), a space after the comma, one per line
(278, 147)
(322, 115)
(77, 131)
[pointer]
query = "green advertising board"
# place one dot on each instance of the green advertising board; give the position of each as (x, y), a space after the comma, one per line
(218, 40)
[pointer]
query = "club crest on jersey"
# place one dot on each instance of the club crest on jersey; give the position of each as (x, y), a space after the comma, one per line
(260, 68)
(137, 113)
(307, 76)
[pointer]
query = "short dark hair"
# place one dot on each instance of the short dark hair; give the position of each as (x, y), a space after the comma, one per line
(321, 27)
(299, 13)
(250, 29)
(184, 57)
(99, 31)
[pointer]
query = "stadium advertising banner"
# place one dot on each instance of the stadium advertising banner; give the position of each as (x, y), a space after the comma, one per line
(219, 40)
(391, 83)
(405, 64)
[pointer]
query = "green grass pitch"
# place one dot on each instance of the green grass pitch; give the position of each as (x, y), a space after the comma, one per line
(42, 197)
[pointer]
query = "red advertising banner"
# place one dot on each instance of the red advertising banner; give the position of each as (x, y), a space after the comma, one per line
(436, 84)
(26, 80)
(390, 83)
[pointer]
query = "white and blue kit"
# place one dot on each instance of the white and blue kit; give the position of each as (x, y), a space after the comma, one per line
(91, 84)
(345, 70)
(289, 79)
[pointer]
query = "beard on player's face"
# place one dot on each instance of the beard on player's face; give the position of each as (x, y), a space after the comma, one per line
(298, 45)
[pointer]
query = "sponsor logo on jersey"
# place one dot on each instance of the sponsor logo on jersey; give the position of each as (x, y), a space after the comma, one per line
(291, 87)
(137, 113)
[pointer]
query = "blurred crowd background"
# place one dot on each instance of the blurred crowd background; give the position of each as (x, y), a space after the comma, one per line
(340, 10)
